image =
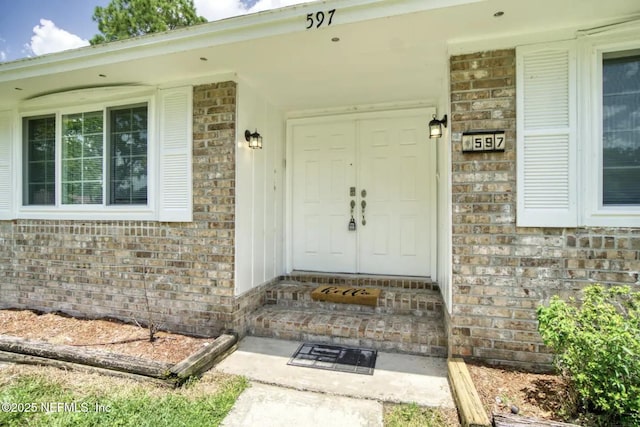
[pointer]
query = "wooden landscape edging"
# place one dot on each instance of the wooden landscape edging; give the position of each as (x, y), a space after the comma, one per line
(85, 356)
(508, 420)
(26, 359)
(472, 413)
(203, 359)
(17, 350)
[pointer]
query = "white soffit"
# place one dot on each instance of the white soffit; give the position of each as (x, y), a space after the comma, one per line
(388, 50)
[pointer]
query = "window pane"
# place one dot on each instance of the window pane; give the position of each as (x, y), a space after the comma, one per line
(93, 145)
(71, 170)
(621, 126)
(69, 191)
(128, 137)
(93, 123)
(82, 142)
(40, 143)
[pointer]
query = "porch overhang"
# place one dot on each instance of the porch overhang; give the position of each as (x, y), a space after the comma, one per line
(374, 51)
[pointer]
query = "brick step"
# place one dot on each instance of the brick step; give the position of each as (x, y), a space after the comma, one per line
(417, 302)
(402, 282)
(386, 332)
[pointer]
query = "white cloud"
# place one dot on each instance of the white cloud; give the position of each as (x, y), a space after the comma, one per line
(48, 38)
(220, 9)
(3, 50)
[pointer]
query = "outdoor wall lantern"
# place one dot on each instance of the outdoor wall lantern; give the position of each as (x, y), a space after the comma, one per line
(435, 126)
(254, 139)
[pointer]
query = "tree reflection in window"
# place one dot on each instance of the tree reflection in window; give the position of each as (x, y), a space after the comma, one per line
(82, 155)
(40, 161)
(128, 148)
(621, 129)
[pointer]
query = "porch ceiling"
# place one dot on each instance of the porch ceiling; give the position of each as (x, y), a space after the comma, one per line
(389, 59)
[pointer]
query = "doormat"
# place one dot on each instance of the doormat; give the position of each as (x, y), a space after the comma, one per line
(346, 295)
(335, 358)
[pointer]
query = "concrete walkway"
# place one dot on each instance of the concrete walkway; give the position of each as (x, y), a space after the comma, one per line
(270, 406)
(283, 395)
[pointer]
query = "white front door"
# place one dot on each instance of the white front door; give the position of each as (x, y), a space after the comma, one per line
(395, 174)
(324, 171)
(382, 164)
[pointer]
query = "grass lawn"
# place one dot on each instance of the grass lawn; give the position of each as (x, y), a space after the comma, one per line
(416, 416)
(44, 396)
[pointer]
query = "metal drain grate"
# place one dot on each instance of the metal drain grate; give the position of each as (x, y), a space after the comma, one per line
(335, 358)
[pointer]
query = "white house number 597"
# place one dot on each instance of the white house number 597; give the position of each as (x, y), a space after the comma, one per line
(318, 19)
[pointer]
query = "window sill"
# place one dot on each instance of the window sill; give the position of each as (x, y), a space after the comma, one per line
(613, 217)
(143, 213)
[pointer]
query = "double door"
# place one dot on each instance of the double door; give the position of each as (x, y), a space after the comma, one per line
(363, 194)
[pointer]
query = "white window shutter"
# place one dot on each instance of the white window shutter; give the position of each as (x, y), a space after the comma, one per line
(546, 135)
(175, 135)
(6, 171)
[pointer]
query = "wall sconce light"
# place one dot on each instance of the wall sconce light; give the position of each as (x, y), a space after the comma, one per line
(435, 126)
(254, 139)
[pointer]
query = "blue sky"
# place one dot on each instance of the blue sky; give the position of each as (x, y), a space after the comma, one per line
(36, 27)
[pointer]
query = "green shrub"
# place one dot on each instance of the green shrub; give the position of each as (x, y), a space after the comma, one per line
(597, 346)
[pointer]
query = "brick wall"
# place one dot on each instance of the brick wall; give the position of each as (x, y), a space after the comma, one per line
(501, 272)
(101, 268)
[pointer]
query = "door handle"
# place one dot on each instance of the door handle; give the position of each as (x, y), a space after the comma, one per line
(363, 204)
(352, 221)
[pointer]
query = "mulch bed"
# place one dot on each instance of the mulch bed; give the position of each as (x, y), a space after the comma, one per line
(532, 395)
(106, 335)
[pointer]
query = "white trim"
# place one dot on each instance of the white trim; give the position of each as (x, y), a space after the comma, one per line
(360, 109)
(288, 210)
(113, 213)
(102, 211)
(291, 122)
(87, 96)
(594, 212)
(445, 225)
(98, 103)
(364, 115)
(462, 46)
(203, 80)
(628, 23)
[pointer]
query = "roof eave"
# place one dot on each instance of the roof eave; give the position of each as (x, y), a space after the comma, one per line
(290, 19)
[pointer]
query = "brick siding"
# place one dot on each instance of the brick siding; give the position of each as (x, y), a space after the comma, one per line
(502, 273)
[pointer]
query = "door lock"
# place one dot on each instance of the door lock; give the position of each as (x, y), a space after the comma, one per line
(363, 204)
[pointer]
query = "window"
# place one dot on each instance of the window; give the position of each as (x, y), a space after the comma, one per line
(40, 166)
(621, 129)
(87, 176)
(129, 159)
(82, 148)
(578, 132)
(128, 155)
